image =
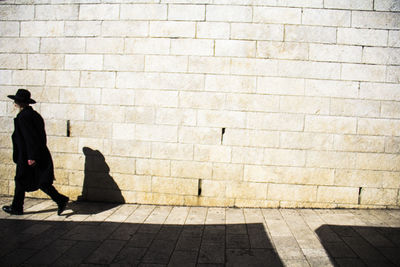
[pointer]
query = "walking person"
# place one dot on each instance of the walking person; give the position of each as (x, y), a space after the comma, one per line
(34, 163)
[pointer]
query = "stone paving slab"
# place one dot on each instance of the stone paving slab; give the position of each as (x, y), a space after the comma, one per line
(103, 234)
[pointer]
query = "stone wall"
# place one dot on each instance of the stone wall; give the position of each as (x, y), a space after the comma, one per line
(248, 103)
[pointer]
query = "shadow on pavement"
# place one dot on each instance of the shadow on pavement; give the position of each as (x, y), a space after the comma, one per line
(361, 245)
(67, 243)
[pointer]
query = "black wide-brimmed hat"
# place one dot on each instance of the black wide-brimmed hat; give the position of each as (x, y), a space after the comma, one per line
(22, 96)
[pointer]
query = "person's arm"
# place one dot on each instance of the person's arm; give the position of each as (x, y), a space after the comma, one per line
(29, 133)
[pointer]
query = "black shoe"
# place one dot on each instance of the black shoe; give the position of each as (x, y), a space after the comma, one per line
(62, 205)
(11, 210)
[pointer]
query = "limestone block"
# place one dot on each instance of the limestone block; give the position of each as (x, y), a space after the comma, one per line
(199, 135)
(277, 15)
(227, 83)
(98, 79)
(68, 161)
(174, 186)
(308, 69)
(56, 127)
(160, 133)
(125, 28)
(255, 102)
(153, 167)
(235, 48)
(62, 144)
(357, 72)
(5, 140)
(144, 115)
(308, 205)
(186, 12)
(393, 74)
(61, 176)
(383, 162)
(298, 3)
(226, 171)
(166, 63)
(333, 194)
(331, 159)
(99, 12)
(191, 169)
(17, 12)
(3, 108)
(282, 50)
(309, 141)
(284, 157)
(251, 66)
(387, 5)
(172, 151)
(13, 61)
(42, 29)
(330, 124)
(378, 196)
(343, 4)
(105, 45)
(275, 121)
(172, 29)
(356, 108)
(120, 97)
(215, 202)
(82, 28)
(392, 145)
(379, 127)
(80, 96)
(92, 143)
(28, 77)
(119, 165)
(336, 18)
(123, 62)
(6, 77)
(16, 45)
(46, 61)
(9, 29)
(83, 62)
(380, 91)
(143, 12)
(246, 190)
(358, 143)
(292, 192)
(313, 34)
(6, 155)
(204, 100)
(123, 131)
(384, 56)
(394, 38)
(335, 53)
(247, 31)
(331, 88)
(172, 116)
(370, 37)
(160, 199)
(289, 175)
(248, 155)
(213, 30)
(216, 118)
(4, 187)
(258, 138)
(56, 12)
(367, 178)
(62, 45)
(229, 13)
(75, 178)
(192, 47)
(211, 188)
(127, 148)
(377, 20)
(158, 46)
(251, 203)
(307, 105)
(215, 65)
(62, 78)
(280, 86)
(7, 170)
(210, 153)
(91, 129)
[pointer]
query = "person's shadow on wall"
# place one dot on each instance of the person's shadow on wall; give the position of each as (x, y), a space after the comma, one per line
(98, 186)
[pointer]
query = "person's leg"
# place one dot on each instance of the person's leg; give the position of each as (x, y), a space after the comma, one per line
(19, 196)
(61, 200)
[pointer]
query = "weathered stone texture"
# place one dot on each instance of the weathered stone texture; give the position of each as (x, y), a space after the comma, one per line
(219, 103)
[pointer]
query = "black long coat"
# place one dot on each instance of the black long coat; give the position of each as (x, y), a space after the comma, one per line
(29, 143)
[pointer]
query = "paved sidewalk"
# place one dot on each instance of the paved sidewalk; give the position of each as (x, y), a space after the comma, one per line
(96, 234)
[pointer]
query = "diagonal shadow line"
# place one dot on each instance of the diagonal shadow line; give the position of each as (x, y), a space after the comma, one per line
(68, 243)
(361, 245)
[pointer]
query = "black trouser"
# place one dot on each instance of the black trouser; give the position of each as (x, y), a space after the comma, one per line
(19, 195)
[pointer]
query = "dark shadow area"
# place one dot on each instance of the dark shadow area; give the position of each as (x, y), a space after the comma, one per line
(67, 243)
(98, 185)
(361, 245)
